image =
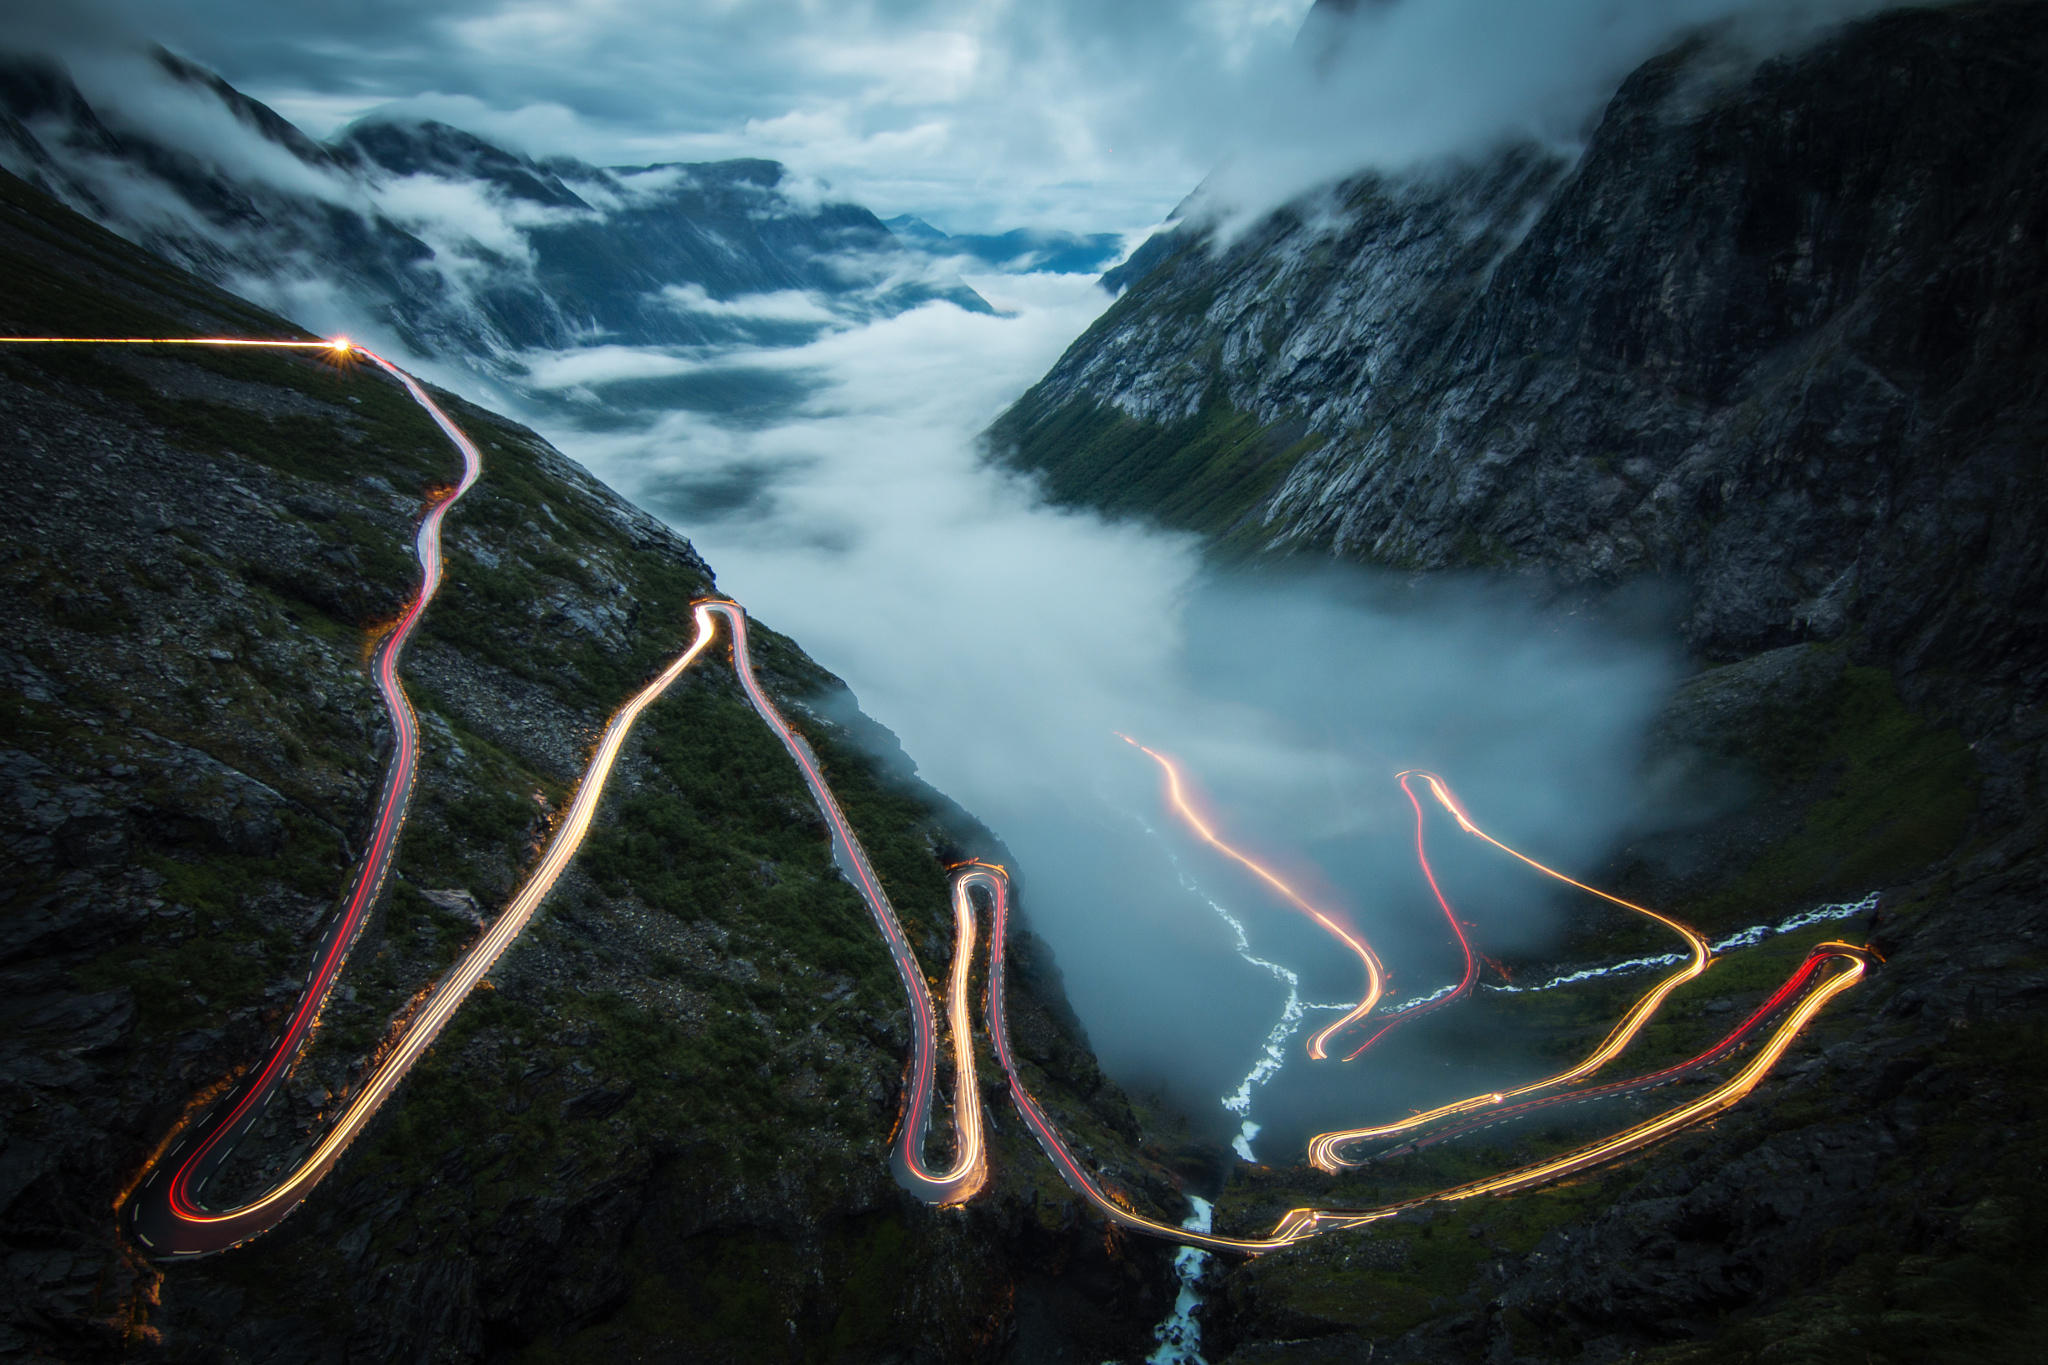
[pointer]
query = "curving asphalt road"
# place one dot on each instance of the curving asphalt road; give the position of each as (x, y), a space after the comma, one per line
(167, 1211)
(1465, 983)
(1780, 1000)
(1375, 973)
(957, 1183)
(1300, 1224)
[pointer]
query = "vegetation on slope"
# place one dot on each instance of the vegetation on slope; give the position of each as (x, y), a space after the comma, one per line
(690, 1060)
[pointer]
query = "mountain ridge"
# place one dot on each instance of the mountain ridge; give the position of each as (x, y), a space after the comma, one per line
(1545, 366)
(1767, 354)
(1027, 249)
(467, 250)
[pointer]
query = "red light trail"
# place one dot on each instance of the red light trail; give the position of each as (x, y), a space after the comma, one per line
(166, 1211)
(959, 1182)
(1375, 974)
(1326, 1149)
(1815, 960)
(166, 1208)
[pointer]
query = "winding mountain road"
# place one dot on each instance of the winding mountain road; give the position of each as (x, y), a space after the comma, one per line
(1808, 972)
(1375, 973)
(168, 1212)
(1326, 1150)
(958, 1182)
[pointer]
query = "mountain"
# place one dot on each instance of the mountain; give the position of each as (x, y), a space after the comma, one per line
(1777, 339)
(662, 1130)
(1767, 359)
(468, 251)
(1019, 249)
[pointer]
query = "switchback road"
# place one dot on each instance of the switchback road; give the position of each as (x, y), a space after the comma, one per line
(168, 1212)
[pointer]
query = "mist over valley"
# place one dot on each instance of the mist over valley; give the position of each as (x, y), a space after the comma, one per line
(1028, 635)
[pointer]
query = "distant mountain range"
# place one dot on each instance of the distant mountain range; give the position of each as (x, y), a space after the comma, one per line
(467, 250)
(1047, 249)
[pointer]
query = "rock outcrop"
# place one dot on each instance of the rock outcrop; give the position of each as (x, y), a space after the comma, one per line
(1774, 339)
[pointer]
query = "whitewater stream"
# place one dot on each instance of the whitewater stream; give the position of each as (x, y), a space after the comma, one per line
(1180, 1334)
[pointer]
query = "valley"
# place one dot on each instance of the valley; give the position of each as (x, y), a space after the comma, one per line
(1663, 479)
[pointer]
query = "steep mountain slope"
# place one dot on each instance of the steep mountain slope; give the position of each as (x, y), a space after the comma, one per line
(467, 250)
(1780, 338)
(1775, 342)
(661, 1133)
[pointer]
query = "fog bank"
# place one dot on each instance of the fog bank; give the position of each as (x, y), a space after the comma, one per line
(1006, 643)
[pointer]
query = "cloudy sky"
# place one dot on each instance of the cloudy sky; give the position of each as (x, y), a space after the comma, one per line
(978, 114)
(981, 113)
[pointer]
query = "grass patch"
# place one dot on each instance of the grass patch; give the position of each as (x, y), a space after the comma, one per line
(1207, 472)
(1892, 795)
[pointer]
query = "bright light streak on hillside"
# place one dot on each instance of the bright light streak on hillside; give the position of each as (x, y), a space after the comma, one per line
(169, 1217)
(1325, 1150)
(1375, 974)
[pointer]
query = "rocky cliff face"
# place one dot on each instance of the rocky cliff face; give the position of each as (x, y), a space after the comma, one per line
(1774, 339)
(467, 250)
(1777, 336)
(661, 1132)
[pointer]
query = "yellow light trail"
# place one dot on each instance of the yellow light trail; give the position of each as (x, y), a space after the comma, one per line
(1300, 1224)
(1325, 1150)
(970, 1161)
(965, 1177)
(1722, 1097)
(1375, 974)
(447, 996)
(340, 345)
(960, 1181)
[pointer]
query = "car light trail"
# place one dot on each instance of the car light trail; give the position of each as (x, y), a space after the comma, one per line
(1728, 1044)
(339, 345)
(166, 1208)
(1375, 974)
(1326, 1150)
(165, 1212)
(958, 1182)
(1464, 984)
(1856, 961)
(1300, 1224)
(995, 883)
(1272, 1054)
(197, 1230)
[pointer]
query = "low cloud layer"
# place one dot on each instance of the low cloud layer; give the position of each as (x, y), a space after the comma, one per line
(837, 486)
(1401, 83)
(1006, 643)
